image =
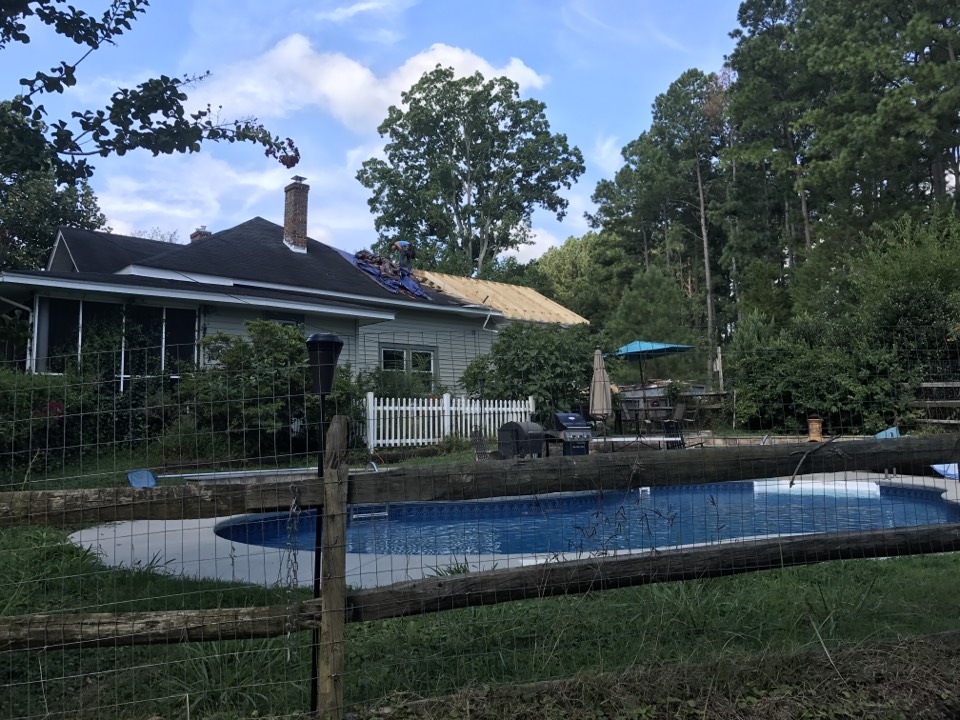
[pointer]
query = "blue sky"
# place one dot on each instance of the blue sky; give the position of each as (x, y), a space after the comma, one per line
(325, 72)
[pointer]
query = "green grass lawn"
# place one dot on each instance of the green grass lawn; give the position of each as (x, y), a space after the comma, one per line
(734, 622)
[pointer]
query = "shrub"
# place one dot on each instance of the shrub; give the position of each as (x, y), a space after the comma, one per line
(34, 413)
(254, 395)
(817, 367)
(549, 362)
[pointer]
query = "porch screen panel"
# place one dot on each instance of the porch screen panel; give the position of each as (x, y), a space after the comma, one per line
(101, 334)
(180, 339)
(144, 338)
(58, 341)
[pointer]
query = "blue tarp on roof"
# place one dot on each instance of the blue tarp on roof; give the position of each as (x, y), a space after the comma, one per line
(396, 280)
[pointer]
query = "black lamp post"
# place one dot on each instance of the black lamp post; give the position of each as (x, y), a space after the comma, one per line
(324, 349)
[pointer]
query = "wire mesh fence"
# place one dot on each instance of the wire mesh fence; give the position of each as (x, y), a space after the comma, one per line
(159, 527)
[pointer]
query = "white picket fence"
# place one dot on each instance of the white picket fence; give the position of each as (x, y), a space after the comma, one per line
(393, 422)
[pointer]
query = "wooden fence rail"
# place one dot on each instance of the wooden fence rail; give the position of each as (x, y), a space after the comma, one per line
(471, 481)
(182, 502)
(72, 631)
(435, 594)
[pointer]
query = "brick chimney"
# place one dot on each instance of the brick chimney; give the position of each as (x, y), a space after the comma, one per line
(199, 234)
(295, 215)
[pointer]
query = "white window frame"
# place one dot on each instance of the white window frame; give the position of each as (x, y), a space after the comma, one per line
(408, 353)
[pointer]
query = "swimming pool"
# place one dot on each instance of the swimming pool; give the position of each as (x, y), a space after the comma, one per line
(642, 518)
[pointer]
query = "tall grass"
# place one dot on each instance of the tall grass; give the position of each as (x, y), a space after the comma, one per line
(739, 620)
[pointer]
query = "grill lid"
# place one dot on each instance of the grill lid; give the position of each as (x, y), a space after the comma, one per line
(569, 421)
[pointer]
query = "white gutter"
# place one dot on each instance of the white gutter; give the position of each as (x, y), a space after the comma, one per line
(15, 304)
(225, 297)
(133, 270)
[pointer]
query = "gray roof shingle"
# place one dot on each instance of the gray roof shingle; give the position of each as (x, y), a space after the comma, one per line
(96, 251)
(252, 252)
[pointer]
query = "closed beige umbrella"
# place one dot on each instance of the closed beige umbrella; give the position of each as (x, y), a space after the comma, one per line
(601, 402)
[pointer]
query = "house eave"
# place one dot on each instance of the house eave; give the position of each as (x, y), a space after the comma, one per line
(397, 302)
(235, 298)
(146, 271)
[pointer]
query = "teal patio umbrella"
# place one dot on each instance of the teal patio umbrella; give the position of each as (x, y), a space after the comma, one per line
(644, 350)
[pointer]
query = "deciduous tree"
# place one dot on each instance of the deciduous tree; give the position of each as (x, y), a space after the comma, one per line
(33, 205)
(152, 116)
(466, 165)
(32, 209)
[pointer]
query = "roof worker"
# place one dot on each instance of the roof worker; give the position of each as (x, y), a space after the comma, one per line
(405, 252)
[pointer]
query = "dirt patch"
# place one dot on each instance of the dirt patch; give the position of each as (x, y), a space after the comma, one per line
(913, 679)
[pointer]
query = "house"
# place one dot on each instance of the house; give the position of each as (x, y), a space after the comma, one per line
(154, 300)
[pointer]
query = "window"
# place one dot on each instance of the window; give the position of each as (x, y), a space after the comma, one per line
(411, 369)
(282, 318)
(393, 359)
(421, 361)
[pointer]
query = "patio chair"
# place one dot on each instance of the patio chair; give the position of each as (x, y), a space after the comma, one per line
(673, 428)
(681, 422)
(632, 415)
(479, 439)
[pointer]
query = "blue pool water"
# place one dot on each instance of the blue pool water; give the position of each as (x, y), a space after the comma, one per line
(589, 522)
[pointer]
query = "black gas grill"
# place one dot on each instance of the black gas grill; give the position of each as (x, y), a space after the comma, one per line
(573, 431)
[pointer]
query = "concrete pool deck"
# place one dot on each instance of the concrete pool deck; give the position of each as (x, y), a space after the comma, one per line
(190, 548)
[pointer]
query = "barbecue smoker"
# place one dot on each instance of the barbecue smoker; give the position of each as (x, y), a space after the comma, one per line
(573, 430)
(520, 439)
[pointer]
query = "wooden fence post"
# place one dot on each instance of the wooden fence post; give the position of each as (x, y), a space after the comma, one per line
(333, 588)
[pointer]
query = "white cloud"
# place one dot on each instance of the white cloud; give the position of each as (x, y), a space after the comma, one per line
(348, 12)
(580, 203)
(543, 240)
(356, 156)
(183, 192)
(180, 193)
(582, 17)
(292, 76)
(382, 36)
(606, 154)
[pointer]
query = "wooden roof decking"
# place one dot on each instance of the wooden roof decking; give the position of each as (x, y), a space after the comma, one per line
(514, 301)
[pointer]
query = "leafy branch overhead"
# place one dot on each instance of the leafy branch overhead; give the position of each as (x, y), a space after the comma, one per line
(151, 116)
(466, 165)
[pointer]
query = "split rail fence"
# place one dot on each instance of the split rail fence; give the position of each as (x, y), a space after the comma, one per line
(337, 489)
